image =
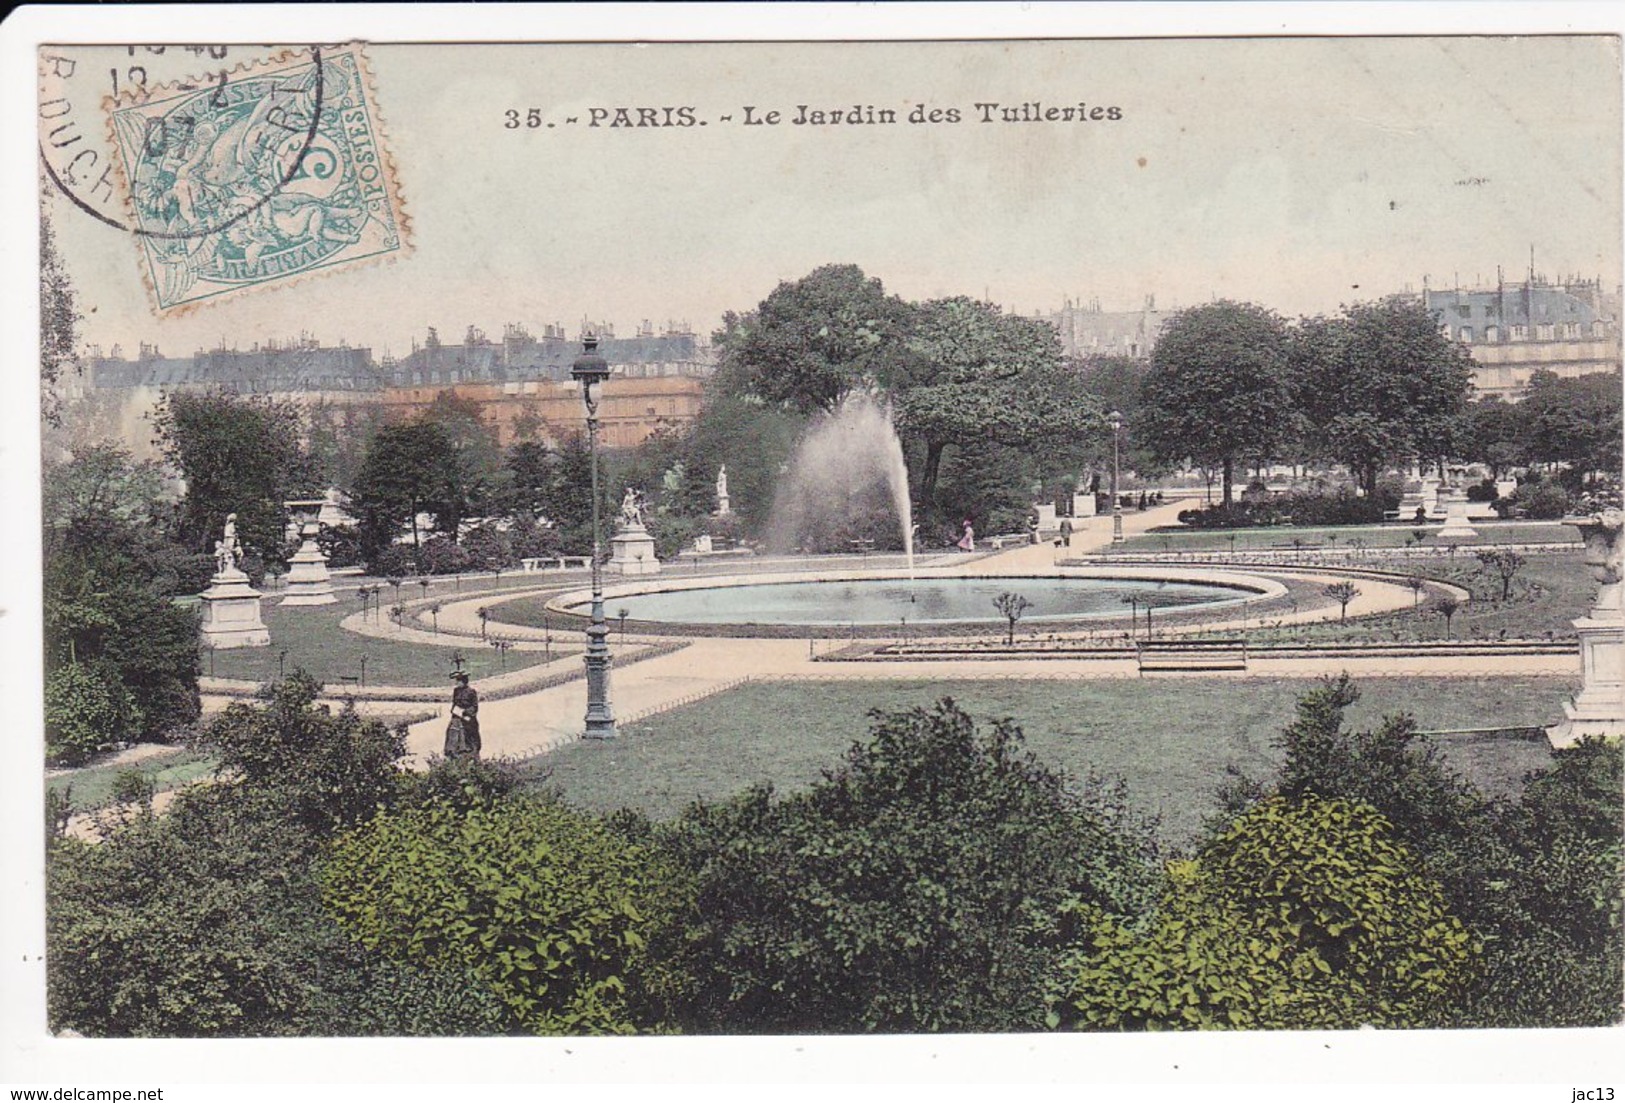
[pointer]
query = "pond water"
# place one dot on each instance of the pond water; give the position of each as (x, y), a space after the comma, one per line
(921, 601)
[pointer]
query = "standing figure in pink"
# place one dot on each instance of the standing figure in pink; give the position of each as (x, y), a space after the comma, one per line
(967, 542)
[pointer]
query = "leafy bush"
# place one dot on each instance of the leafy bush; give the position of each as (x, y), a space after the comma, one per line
(930, 883)
(1297, 508)
(327, 771)
(395, 561)
(1302, 915)
(341, 544)
(1553, 901)
(486, 547)
(552, 911)
(207, 921)
(443, 555)
(86, 708)
(1482, 491)
(1546, 502)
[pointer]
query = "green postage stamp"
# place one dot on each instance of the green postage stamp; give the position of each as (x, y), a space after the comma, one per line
(257, 176)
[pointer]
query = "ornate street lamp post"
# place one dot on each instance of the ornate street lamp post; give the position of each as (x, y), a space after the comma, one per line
(589, 370)
(1116, 421)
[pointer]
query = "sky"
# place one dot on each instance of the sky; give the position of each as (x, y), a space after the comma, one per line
(1298, 173)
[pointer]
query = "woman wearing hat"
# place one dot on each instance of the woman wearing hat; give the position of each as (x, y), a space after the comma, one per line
(463, 733)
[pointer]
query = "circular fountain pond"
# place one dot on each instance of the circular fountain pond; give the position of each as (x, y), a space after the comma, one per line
(923, 601)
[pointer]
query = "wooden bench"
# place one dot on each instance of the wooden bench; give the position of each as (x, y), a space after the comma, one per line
(1192, 655)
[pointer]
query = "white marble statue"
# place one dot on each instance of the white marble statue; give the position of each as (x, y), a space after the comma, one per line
(632, 509)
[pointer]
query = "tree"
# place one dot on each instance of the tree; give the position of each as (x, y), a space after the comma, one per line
(238, 454)
(1219, 390)
(1303, 914)
(976, 373)
(1504, 562)
(409, 469)
(1448, 606)
(59, 322)
(1011, 607)
(547, 907)
(1574, 422)
(1493, 433)
(813, 340)
(1380, 384)
(108, 579)
(1342, 593)
(926, 884)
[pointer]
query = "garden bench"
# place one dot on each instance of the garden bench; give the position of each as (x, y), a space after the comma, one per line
(1192, 655)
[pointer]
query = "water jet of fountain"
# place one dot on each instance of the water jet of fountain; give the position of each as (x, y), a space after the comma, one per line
(845, 460)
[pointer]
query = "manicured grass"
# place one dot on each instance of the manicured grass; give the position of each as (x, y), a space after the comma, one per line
(1373, 536)
(1170, 741)
(1548, 592)
(93, 785)
(314, 642)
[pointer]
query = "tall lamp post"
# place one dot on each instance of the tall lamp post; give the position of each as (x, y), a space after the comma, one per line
(589, 370)
(1116, 421)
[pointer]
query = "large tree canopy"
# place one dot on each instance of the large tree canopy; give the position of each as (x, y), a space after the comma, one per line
(977, 374)
(813, 340)
(1380, 385)
(1218, 391)
(1575, 422)
(238, 454)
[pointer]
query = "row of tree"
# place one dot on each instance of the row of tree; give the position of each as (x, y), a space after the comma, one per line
(938, 879)
(991, 416)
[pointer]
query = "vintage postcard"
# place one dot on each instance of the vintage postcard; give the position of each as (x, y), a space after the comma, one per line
(1042, 536)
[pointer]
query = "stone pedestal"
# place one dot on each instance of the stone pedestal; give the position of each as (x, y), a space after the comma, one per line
(1047, 521)
(1455, 519)
(308, 582)
(231, 613)
(1600, 707)
(633, 552)
(1083, 505)
(723, 508)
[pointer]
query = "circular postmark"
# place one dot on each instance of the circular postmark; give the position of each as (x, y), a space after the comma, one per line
(202, 157)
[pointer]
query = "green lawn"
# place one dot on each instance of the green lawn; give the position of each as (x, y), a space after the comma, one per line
(93, 785)
(310, 638)
(1171, 741)
(1372, 536)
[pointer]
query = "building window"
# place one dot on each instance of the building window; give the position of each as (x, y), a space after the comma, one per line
(1543, 331)
(1596, 329)
(1492, 334)
(1464, 309)
(1571, 329)
(1520, 333)
(1466, 334)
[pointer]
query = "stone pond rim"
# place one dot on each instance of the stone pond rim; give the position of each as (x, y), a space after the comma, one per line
(833, 599)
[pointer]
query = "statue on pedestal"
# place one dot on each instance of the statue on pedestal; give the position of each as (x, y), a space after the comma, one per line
(722, 491)
(632, 548)
(228, 553)
(632, 509)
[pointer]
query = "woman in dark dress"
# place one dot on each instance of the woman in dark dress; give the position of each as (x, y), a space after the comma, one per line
(465, 711)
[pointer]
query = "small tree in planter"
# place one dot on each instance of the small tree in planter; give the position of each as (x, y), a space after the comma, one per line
(1011, 606)
(1417, 584)
(1342, 593)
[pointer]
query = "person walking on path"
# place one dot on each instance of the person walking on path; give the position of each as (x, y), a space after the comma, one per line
(463, 733)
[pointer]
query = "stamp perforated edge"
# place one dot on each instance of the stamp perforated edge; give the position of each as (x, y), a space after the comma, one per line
(284, 56)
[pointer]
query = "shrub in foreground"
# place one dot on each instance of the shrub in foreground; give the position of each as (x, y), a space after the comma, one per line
(1302, 915)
